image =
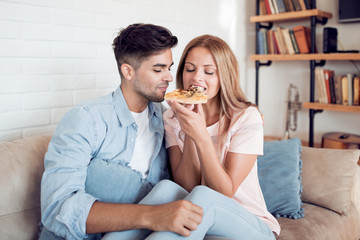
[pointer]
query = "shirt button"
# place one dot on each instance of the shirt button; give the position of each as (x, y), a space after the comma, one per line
(132, 140)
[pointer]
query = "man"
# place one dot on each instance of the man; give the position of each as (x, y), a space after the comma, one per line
(108, 153)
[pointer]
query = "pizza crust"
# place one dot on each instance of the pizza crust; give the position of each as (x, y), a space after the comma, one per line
(187, 96)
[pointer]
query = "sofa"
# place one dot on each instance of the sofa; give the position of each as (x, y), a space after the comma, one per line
(328, 213)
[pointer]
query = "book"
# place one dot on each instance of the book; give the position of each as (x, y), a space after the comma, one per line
(356, 88)
(344, 90)
(293, 40)
(289, 6)
(262, 8)
(270, 43)
(332, 86)
(280, 40)
(302, 37)
(350, 88)
(323, 86)
(272, 7)
(281, 5)
(276, 46)
(338, 91)
(276, 8)
(307, 4)
(267, 5)
(287, 39)
(261, 45)
(302, 5)
(296, 5)
(320, 85)
(327, 84)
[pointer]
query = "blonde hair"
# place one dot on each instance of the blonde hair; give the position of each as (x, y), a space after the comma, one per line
(231, 96)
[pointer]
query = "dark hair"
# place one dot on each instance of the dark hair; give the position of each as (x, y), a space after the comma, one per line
(139, 41)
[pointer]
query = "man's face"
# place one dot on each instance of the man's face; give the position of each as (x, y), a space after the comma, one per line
(153, 76)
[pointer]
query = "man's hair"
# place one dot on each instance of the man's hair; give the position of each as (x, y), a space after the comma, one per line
(139, 41)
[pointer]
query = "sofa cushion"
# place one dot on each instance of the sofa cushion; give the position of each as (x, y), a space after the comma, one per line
(22, 165)
(330, 185)
(321, 223)
(279, 175)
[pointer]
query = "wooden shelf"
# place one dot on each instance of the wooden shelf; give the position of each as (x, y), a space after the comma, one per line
(286, 16)
(331, 107)
(310, 56)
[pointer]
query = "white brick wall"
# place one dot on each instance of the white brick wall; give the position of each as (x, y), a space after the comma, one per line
(57, 53)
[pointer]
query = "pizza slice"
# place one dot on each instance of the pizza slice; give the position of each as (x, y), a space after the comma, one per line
(194, 95)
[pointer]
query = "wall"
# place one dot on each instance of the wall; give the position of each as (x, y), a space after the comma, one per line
(57, 53)
(275, 80)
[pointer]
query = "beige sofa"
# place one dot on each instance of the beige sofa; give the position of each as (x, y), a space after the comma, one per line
(331, 180)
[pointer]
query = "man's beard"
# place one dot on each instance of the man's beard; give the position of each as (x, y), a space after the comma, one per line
(148, 94)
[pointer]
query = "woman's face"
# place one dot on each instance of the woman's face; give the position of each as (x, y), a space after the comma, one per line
(200, 70)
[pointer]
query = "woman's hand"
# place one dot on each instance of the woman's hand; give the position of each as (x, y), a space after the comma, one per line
(191, 118)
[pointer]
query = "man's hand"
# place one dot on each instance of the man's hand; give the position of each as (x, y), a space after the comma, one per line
(180, 217)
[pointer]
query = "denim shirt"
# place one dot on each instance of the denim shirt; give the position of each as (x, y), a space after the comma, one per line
(98, 129)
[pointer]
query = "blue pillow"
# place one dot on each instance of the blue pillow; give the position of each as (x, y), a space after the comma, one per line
(279, 172)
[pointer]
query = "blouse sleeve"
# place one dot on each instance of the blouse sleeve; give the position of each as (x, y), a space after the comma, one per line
(247, 135)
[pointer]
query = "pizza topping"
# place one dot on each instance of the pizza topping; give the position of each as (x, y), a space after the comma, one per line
(193, 95)
(197, 88)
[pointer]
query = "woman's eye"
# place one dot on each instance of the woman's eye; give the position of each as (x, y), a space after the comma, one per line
(209, 73)
(190, 70)
(157, 70)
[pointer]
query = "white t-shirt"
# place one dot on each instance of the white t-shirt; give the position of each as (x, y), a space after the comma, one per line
(144, 144)
(246, 137)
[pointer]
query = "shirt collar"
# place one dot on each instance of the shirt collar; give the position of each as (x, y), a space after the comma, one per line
(123, 113)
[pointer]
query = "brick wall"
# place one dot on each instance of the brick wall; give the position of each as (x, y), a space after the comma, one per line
(55, 54)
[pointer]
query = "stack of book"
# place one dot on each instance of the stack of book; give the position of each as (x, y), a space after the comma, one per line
(339, 89)
(280, 6)
(284, 41)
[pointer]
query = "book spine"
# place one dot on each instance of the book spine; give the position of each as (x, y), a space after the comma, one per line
(338, 91)
(280, 5)
(289, 5)
(300, 36)
(260, 43)
(280, 41)
(323, 86)
(332, 87)
(356, 89)
(287, 39)
(293, 41)
(302, 5)
(327, 84)
(344, 90)
(350, 88)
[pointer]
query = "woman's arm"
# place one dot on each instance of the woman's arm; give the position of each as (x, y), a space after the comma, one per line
(185, 165)
(223, 178)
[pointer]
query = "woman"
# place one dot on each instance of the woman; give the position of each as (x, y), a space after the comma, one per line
(213, 149)
(216, 144)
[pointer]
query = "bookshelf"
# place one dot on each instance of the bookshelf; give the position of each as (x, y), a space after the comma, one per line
(304, 57)
(315, 17)
(288, 16)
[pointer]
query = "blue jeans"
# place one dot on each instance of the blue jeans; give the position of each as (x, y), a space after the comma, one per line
(223, 216)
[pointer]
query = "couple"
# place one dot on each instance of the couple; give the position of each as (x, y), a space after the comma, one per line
(106, 167)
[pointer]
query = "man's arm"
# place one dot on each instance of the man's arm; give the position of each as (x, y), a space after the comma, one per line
(180, 217)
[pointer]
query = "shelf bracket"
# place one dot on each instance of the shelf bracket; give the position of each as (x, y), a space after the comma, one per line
(268, 27)
(260, 64)
(317, 111)
(320, 64)
(322, 21)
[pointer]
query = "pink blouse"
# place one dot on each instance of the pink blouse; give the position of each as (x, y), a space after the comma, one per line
(246, 137)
